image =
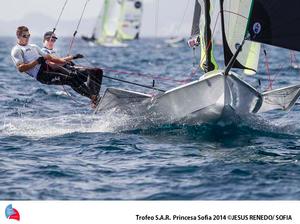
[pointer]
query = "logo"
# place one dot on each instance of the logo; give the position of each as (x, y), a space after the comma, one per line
(55, 79)
(256, 28)
(12, 213)
(137, 4)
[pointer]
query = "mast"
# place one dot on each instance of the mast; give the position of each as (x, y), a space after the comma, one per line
(209, 64)
(202, 27)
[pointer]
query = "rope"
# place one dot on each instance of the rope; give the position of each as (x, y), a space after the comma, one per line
(75, 32)
(275, 76)
(71, 97)
(183, 18)
(59, 17)
(72, 42)
(138, 74)
(267, 67)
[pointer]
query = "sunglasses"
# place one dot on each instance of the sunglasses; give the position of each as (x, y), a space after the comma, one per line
(51, 40)
(25, 35)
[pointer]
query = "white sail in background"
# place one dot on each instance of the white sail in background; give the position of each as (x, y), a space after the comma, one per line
(130, 19)
(97, 31)
(111, 17)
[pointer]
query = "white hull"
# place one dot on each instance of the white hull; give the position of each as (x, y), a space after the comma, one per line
(175, 40)
(203, 101)
(111, 42)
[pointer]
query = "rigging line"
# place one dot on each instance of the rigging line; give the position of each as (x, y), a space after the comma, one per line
(134, 83)
(79, 22)
(71, 97)
(183, 17)
(275, 76)
(59, 17)
(133, 73)
(267, 67)
(237, 14)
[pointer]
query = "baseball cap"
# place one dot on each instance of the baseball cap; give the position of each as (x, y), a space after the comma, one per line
(49, 34)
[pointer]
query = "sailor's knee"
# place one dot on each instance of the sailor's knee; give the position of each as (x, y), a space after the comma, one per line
(98, 71)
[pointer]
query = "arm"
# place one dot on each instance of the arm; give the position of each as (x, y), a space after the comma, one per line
(54, 59)
(17, 57)
(50, 57)
(68, 58)
(25, 67)
(73, 57)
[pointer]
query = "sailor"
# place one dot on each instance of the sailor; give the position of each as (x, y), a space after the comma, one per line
(92, 76)
(29, 58)
(48, 46)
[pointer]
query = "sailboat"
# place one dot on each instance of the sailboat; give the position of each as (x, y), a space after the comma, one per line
(245, 24)
(118, 21)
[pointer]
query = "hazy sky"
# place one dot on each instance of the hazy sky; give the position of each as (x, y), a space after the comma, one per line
(170, 13)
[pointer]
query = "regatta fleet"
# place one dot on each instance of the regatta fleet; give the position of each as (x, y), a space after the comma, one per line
(118, 21)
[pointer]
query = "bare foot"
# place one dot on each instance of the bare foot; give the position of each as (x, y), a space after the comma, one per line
(94, 100)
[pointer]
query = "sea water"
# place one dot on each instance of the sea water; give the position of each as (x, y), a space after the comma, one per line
(52, 146)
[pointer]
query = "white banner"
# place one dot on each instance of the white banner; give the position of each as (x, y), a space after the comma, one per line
(149, 212)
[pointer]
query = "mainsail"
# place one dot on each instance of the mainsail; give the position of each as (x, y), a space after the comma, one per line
(234, 19)
(130, 20)
(275, 22)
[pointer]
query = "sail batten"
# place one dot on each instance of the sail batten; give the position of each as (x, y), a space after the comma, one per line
(275, 22)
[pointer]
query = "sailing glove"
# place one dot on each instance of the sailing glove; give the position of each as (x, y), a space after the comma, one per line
(77, 56)
(41, 60)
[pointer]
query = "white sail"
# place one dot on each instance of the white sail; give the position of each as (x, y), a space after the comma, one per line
(283, 98)
(97, 31)
(111, 18)
(236, 14)
(130, 19)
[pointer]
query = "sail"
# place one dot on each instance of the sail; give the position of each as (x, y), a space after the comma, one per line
(206, 10)
(130, 20)
(97, 31)
(234, 19)
(111, 16)
(275, 22)
(196, 19)
(283, 98)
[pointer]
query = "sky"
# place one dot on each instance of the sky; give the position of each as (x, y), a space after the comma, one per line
(41, 14)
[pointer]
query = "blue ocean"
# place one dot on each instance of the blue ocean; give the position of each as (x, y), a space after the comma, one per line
(53, 147)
